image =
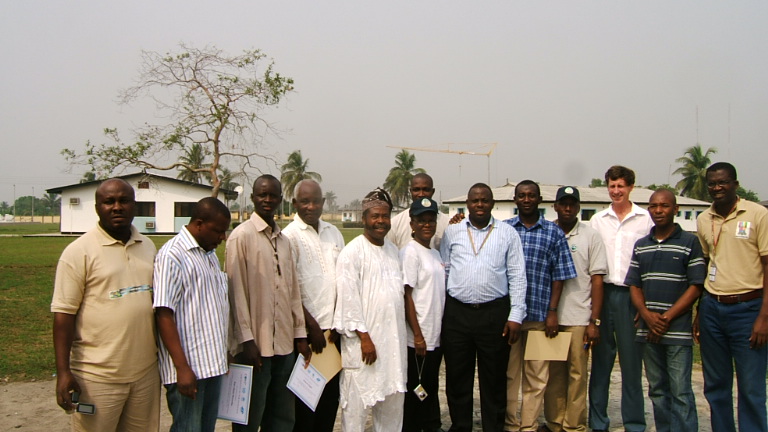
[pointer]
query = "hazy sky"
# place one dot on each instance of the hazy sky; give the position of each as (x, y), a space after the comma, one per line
(566, 88)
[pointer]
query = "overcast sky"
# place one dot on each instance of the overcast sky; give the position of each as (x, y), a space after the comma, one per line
(566, 88)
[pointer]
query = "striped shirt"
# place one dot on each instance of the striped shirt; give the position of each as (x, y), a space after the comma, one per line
(547, 259)
(189, 281)
(485, 264)
(664, 270)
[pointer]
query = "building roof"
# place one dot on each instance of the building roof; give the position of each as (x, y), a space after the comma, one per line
(597, 195)
(229, 194)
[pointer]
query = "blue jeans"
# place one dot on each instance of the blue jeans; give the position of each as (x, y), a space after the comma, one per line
(272, 404)
(725, 331)
(195, 415)
(617, 332)
(668, 369)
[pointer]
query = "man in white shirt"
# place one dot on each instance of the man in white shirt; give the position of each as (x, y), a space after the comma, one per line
(400, 234)
(620, 226)
(315, 245)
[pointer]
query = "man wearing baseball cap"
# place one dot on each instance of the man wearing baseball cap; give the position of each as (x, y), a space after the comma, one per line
(565, 399)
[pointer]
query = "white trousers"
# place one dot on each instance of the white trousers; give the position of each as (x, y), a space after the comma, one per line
(387, 414)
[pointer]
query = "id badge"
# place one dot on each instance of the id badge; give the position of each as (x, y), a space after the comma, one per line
(712, 273)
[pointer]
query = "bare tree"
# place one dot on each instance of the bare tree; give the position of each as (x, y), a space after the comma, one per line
(210, 98)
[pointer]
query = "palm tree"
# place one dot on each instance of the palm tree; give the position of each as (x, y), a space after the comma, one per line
(398, 180)
(693, 168)
(294, 171)
(194, 159)
(52, 202)
(330, 200)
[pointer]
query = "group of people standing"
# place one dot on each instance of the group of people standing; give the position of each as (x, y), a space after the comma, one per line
(411, 290)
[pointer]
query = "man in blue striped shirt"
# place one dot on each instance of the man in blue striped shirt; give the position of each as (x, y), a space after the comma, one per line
(548, 263)
(192, 312)
(484, 310)
(666, 276)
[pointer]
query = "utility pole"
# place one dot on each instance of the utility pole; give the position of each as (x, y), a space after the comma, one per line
(33, 204)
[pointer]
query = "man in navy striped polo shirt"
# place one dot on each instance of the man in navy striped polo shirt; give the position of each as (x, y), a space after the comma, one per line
(666, 276)
(192, 312)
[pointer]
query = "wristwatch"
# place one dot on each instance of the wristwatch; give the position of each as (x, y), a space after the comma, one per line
(595, 321)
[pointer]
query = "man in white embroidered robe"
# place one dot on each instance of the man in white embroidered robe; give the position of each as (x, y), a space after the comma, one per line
(370, 316)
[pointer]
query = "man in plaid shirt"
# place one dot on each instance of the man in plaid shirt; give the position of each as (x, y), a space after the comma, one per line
(548, 263)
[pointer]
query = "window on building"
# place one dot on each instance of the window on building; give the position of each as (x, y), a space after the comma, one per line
(688, 215)
(586, 214)
(145, 209)
(542, 212)
(182, 209)
(144, 185)
(460, 210)
(516, 211)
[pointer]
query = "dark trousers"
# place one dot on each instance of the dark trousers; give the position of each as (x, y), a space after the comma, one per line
(474, 333)
(324, 416)
(424, 414)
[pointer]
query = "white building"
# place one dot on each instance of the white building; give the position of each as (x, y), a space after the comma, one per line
(163, 204)
(593, 200)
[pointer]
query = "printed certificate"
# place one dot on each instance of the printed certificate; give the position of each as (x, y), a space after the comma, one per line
(307, 384)
(235, 396)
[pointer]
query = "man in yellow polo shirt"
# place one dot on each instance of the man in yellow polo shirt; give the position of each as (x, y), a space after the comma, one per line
(733, 313)
(103, 324)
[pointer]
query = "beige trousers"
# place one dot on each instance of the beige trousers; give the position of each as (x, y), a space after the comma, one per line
(531, 377)
(565, 399)
(120, 407)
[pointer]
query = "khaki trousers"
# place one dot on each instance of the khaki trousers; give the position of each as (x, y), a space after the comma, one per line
(531, 377)
(120, 407)
(565, 399)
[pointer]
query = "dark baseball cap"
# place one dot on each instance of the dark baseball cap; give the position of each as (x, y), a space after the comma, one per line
(422, 206)
(567, 191)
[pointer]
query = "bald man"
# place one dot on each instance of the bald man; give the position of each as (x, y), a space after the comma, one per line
(103, 325)
(400, 234)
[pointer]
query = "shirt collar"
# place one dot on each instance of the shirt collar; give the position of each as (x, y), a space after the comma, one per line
(633, 211)
(191, 242)
(517, 222)
(491, 222)
(262, 226)
(676, 233)
(109, 240)
(321, 224)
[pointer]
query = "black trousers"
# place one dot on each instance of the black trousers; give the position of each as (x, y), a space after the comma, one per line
(473, 333)
(324, 417)
(421, 415)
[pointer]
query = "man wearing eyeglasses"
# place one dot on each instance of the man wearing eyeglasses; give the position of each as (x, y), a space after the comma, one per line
(733, 313)
(400, 234)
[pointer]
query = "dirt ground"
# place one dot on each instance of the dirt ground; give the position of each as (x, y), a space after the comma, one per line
(31, 406)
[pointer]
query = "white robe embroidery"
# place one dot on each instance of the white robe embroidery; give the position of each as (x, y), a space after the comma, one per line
(369, 298)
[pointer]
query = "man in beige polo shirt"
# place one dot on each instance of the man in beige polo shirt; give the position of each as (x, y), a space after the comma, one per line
(103, 324)
(733, 313)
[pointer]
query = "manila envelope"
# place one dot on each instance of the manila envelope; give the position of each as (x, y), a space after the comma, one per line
(540, 347)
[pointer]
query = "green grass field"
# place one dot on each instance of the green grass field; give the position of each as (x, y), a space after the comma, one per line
(27, 270)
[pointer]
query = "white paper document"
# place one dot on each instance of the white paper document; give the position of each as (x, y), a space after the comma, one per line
(235, 396)
(307, 384)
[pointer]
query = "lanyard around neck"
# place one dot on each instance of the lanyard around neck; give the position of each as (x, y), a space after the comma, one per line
(472, 239)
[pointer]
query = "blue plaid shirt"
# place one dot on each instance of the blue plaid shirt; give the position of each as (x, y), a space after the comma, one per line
(547, 259)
